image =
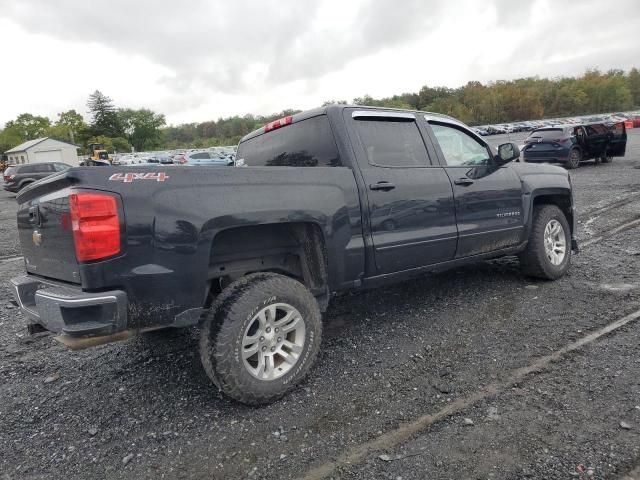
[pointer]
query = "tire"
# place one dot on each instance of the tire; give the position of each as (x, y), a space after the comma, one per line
(236, 316)
(574, 159)
(535, 260)
(24, 185)
(606, 159)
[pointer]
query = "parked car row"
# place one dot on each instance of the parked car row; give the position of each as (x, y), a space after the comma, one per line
(531, 125)
(17, 177)
(215, 156)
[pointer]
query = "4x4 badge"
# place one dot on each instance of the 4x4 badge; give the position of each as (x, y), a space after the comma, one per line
(37, 238)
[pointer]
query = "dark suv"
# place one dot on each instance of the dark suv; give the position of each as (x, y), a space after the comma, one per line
(572, 144)
(16, 177)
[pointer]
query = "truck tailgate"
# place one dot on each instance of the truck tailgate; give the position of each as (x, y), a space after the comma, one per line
(46, 236)
(44, 228)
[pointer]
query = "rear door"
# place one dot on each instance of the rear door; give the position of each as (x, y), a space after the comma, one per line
(488, 197)
(409, 197)
(618, 144)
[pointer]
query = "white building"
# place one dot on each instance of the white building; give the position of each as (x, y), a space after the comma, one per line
(43, 150)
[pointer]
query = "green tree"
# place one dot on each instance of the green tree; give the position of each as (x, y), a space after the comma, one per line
(141, 127)
(29, 126)
(25, 127)
(70, 127)
(634, 86)
(104, 118)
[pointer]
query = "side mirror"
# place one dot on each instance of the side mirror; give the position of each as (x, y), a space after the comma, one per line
(508, 152)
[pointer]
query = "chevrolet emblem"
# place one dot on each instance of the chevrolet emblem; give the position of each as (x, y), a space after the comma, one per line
(37, 238)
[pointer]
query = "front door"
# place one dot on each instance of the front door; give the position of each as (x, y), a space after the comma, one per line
(488, 197)
(410, 200)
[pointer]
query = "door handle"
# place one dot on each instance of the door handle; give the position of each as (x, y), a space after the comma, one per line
(463, 181)
(384, 186)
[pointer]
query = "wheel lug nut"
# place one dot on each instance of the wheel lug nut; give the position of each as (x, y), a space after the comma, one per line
(279, 339)
(276, 329)
(273, 349)
(262, 339)
(268, 329)
(264, 349)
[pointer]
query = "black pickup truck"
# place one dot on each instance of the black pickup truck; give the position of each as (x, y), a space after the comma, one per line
(326, 201)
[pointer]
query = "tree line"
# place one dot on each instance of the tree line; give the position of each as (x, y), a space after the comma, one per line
(120, 129)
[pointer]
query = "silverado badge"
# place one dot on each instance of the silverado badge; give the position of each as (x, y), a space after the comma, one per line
(37, 238)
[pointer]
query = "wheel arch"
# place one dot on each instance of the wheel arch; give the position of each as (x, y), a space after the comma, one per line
(296, 250)
(561, 199)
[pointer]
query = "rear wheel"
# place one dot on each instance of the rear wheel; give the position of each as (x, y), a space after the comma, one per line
(606, 159)
(261, 337)
(548, 252)
(574, 159)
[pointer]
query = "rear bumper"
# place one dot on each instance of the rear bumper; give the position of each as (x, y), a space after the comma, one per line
(11, 188)
(69, 310)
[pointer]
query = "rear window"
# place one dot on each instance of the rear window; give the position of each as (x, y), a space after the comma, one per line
(10, 171)
(306, 143)
(547, 133)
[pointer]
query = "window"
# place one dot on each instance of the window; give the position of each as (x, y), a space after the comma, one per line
(392, 142)
(305, 143)
(22, 158)
(61, 167)
(596, 129)
(200, 156)
(459, 148)
(36, 168)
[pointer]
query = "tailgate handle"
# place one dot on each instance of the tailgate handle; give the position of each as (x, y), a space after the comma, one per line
(34, 215)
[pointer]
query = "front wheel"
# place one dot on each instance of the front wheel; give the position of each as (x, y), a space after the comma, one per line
(548, 252)
(261, 337)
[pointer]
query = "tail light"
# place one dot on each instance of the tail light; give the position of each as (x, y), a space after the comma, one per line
(8, 178)
(281, 122)
(95, 224)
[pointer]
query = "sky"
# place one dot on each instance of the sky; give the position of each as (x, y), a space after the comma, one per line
(198, 60)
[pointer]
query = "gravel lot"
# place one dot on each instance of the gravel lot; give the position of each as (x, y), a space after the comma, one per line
(145, 409)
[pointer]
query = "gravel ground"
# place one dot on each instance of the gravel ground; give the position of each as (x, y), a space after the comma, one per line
(145, 409)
